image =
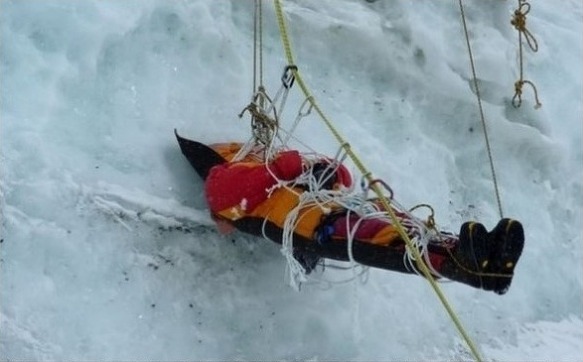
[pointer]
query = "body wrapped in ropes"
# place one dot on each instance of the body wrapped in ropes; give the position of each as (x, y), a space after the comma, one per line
(258, 197)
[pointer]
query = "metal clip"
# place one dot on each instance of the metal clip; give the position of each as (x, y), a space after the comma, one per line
(384, 184)
(288, 78)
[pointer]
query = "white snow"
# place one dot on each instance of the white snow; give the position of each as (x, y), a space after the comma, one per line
(108, 251)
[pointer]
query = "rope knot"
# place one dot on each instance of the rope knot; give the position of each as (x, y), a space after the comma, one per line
(519, 23)
(517, 99)
(518, 87)
(519, 20)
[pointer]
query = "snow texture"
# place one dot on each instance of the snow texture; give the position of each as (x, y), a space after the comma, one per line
(107, 249)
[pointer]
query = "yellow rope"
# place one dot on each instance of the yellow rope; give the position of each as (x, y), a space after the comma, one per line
(519, 23)
(485, 129)
(374, 186)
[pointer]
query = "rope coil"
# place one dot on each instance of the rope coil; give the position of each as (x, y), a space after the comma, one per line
(263, 127)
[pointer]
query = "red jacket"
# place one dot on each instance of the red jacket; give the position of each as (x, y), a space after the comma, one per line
(246, 184)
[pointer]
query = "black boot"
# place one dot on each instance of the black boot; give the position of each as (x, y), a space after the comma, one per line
(486, 260)
(467, 260)
(508, 236)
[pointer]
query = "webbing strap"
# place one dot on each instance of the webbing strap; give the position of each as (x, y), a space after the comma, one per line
(374, 186)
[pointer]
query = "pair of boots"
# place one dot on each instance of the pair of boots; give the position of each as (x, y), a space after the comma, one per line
(483, 259)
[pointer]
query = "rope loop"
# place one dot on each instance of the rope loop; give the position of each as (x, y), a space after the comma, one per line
(517, 99)
(476, 272)
(519, 23)
(310, 105)
(531, 40)
(430, 222)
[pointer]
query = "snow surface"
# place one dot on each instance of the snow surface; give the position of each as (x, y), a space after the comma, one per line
(108, 252)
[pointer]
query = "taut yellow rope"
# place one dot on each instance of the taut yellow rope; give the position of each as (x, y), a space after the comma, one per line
(374, 186)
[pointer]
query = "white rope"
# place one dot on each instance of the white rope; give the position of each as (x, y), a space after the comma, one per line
(317, 196)
(356, 203)
(244, 150)
(314, 197)
(301, 114)
(261, 103)
(421, 236)
(295, 271)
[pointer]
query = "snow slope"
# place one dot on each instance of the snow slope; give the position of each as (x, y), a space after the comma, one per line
(108, 252)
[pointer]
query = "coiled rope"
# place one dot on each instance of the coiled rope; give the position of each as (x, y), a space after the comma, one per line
(374, 186)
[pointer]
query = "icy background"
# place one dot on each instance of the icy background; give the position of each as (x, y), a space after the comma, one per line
(108, 252)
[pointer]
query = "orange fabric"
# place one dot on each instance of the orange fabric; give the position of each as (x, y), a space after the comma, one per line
(278, 206)
(282, 201)
(229, 150)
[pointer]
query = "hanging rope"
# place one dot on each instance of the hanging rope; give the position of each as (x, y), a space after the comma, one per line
(374, 186)
(487, 139)
(263, 127)
(519, 23)
(263, 110)
(257, 45)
